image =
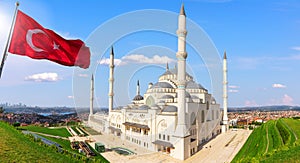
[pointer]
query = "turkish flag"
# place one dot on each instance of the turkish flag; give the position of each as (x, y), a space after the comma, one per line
(30, 39)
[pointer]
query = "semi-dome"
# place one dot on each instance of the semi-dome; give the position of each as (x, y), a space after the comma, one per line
(187, 95)
(168, 72)
(167, 97)
(155, 105)
(138, 98)
(144, 107)
(193, 85)
(170, 108)
(162, 85)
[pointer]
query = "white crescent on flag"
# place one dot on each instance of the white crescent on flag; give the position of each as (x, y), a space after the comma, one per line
(29, 38)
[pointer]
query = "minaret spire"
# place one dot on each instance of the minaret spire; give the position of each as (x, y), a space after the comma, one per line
(167, 67)
(92, 96)
(138, 88)
(225, 96)
(181, 55)
(111, 81)
(182, 12)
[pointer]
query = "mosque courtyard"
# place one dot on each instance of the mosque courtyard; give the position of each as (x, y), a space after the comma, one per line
(222, 148)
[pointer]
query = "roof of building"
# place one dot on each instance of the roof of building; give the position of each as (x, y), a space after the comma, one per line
(170, 108)
(187, 95)
(193, 85)
(167, 97)
(163, 143)
(115, 129)
(136, 125)
(162, 85)
(138, 98)
(144, 107)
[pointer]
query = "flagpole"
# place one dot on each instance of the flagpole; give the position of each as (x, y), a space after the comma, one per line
(9, 39)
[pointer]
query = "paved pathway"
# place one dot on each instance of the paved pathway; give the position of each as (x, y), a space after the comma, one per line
(267, 139)
(223, 149)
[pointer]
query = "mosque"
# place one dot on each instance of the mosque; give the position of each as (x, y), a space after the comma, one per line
(175, 115)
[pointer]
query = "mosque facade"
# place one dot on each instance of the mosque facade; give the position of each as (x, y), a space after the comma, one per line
(175, 115)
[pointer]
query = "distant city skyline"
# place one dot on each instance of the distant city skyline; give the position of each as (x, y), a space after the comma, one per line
(262, 41)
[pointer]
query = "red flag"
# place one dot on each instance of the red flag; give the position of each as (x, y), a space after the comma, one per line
(30, 39)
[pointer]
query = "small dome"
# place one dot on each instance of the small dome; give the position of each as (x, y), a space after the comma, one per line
(213, 100)
(193, 85)
(187, 95)
(144, 107)
(162, 85)
(168, 72)
(161, 101)
(170, 108)
(155, 106)
(138, 98)
(167, 97)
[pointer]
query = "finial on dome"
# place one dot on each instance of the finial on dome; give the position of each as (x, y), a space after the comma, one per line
(182, 12)
(225, 56)
(138, 83)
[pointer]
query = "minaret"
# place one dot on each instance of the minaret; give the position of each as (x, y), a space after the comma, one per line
(225, 97)
(181, 55)
(167, 67)
(138, 88)
(92, 96)
(111, 81)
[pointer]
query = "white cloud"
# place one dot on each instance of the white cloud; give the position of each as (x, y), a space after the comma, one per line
(106, 61)
(287, 100)
(233, 91)
(233, 86)
(43, 77)
(83, 75)
(296, 48)
(70, 97)
(138, 58)
(278, 86)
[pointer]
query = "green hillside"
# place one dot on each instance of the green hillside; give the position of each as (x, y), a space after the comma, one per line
(16, 147)
(274, 141)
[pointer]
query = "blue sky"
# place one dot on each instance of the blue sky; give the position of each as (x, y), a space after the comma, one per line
(262, 40)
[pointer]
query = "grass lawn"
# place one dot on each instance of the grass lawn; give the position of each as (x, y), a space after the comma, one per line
(274, 141)
(16, 147)
(75, 130)
(91, 131)
(64, 143)
(84, 133)
(51, 131)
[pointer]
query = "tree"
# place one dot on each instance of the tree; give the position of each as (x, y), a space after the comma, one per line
(16, 124)
(2, 110)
